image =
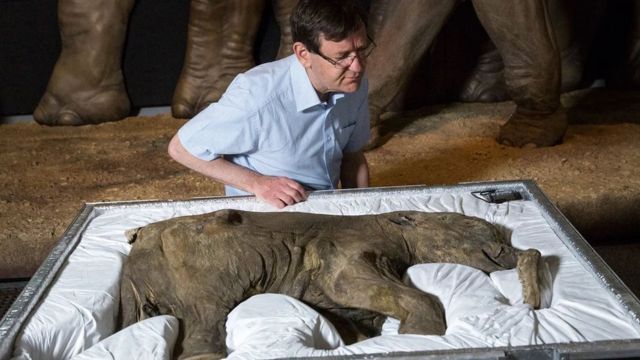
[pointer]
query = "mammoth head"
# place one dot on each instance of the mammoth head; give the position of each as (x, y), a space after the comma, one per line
(455, 238)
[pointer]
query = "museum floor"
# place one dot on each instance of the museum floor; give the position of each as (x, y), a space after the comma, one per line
(593, 177)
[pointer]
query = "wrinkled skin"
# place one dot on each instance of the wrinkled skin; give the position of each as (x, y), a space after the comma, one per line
(199, 268)
(520, 30)
(87, 85)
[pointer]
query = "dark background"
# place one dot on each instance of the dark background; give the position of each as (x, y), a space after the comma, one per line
(155, 46)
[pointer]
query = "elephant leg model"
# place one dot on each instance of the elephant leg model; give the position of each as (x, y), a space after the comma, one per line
(524, 38)
(574, 24)
(402, 31)
(524, 35)
(87, 84)
(220, 45)
(198, 268)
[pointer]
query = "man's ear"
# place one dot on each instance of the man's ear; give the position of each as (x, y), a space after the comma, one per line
(302, 53)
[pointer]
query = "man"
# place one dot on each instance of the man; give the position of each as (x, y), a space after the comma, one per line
(295, 124)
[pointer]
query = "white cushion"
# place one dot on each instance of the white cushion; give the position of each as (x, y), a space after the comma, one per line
(151, 339)
(274, 325)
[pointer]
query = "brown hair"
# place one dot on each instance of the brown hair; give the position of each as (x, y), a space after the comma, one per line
(334, 19)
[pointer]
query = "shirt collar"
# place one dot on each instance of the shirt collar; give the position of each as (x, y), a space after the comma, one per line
(303, 91)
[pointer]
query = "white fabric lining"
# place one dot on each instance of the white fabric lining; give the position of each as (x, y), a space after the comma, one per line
(81, 307)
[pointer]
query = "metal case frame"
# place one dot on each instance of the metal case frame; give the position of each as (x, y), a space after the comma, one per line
(27, 301)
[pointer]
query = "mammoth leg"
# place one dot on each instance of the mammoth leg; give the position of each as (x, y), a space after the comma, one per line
(87, 85)
(528, 273)
(486, 82)
(362, 286)
(202, 339)
(219, 46)
(283, 10)
(525, 38)
(574, 24)
(403, 31)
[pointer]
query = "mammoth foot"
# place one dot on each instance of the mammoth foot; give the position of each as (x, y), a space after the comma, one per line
(194, 93)
(485, 87)
(377, 138)
(533, 130)
(87, 85)
(62, 105)
(380, 132)
(219, 46)
(528, 274)
(486, 82)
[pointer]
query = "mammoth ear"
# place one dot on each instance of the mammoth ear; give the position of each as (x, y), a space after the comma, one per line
(232, 217)
(132, 235)
(403, 220)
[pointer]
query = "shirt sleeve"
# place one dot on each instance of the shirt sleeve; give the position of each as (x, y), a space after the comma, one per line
(227, 127)
(361, 132)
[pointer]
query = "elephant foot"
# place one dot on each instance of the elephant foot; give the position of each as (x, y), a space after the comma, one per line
(92, 105)
(486, 83)
(375, 139)
(485, 87)
(379, 134)
(534, 130)
(193, 94)
(219, 47)
(572, 69)
(198, 88)
(87, 86)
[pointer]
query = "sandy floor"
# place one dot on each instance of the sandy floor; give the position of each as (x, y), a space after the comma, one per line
(593, 177)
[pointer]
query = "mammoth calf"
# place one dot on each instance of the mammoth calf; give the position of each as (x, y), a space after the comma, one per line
(198, 268)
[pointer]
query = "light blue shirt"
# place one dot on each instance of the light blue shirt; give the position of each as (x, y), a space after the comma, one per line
(272, 121)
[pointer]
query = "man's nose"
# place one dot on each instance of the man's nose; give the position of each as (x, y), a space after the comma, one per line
(358, 64)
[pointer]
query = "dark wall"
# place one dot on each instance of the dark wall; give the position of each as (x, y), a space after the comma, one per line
(154, 50)
(29, 47)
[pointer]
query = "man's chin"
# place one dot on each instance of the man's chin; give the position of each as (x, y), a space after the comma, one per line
(351, 85)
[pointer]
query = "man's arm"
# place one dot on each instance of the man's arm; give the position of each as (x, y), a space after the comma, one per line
(354, 171)
(278, 191)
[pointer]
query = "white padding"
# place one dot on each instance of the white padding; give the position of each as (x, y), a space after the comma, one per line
(269, 325)
(81, 306)
(477, 314)
(150, 339)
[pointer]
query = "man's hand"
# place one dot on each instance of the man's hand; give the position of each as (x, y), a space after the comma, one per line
(278, 191)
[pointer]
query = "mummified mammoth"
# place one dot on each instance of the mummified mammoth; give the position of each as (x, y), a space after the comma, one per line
(198, 268)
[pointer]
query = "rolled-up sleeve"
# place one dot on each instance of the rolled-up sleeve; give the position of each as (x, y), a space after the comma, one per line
(227, 127)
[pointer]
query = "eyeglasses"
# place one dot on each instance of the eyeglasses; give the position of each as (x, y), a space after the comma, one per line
(362, 54)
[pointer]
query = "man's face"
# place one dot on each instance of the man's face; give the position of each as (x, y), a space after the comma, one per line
(331, 75)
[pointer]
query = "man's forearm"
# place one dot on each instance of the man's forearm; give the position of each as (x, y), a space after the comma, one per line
(219, 169)
(354, 171)
(278, 191)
